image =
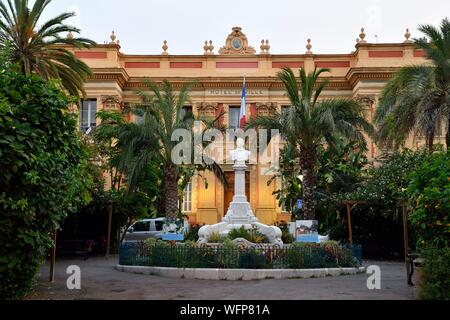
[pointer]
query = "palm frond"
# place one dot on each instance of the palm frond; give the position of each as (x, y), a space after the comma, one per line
(414, 100)
(287, 76)
(38, 49)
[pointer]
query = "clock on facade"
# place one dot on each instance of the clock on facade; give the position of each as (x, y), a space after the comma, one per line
(236, 43)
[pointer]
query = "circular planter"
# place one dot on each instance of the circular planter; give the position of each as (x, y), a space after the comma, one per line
(239, 274)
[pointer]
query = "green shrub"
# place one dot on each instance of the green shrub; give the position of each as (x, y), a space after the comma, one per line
(252, 235)
(435, 282)
(252, 259)
(429, 192)
(238, 233)
(321, 255)
(149, 245)
(231, 255)
(215, 237)
(377, 224)
(286, 236)
(192, 234)
(43, 175)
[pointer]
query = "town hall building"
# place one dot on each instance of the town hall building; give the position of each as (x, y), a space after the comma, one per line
(360, 75)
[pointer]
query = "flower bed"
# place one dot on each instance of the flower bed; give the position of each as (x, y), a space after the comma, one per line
(231, 256)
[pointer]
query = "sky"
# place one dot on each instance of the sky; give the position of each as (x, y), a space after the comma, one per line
(333, 26)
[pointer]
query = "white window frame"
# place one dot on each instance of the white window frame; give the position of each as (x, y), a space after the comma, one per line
(187, 198)
(84, 126)
(229, 117)
(186, 109)
(138, 119)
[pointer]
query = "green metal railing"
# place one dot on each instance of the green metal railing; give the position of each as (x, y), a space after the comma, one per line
(306, 256)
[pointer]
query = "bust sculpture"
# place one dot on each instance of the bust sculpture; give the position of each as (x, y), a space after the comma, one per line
(240, 155)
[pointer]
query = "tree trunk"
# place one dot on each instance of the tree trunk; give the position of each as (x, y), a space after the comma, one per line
(308, 162)
(447, 136)
(430, 141)
(122, 237)
(108, 240)
(171, 192)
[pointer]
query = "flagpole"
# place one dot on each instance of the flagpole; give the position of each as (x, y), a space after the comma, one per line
(242, 113)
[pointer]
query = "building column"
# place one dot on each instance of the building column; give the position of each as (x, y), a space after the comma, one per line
(266, 210)
(207, 212)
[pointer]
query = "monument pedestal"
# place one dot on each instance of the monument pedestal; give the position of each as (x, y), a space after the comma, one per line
(240, 213)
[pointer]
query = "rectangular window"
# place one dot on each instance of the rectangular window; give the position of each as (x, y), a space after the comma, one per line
(138, 113)
(187, 198)
(159, 225)
(233, 117)
(284, 111)
(186, 110)
(138, 119)
(141, 226)
(88, 114)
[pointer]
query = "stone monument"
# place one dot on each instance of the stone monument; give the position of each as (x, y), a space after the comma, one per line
(240, 213)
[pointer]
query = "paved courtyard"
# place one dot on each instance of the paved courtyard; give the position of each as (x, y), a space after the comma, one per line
(99, 280)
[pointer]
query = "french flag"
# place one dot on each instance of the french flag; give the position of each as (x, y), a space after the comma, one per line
(243, 113)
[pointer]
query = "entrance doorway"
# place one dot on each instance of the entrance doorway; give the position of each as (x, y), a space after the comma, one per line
(229, 193)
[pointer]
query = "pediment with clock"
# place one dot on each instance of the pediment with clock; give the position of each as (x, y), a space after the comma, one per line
(237, 43)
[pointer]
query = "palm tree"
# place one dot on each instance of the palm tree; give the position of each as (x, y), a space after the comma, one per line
(41, 49)
(151, 140)
(417, 99)
(309, 122)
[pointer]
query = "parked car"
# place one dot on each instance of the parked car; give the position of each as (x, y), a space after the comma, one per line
(145, 229)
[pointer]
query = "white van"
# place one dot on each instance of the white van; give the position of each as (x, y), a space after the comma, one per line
(145, 229)
(148, 228)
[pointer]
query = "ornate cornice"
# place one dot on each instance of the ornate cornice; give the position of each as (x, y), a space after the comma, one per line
(333, 84)
(370, 73)
(119, 75)
(399, 45)
(270, 83)
(348, 82)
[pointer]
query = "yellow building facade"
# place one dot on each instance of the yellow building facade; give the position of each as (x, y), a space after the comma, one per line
(360, 75)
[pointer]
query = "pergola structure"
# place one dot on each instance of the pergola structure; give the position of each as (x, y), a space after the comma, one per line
(350, 204)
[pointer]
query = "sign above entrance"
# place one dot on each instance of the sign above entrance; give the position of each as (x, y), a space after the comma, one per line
(236, 92)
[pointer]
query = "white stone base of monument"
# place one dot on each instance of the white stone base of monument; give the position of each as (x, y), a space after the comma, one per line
(272, 233)
(239, 213)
